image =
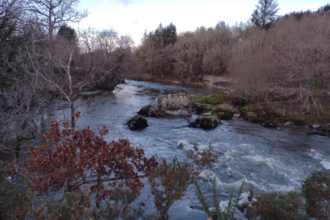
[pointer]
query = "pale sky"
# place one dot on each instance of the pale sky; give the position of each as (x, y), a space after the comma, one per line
(133, 17)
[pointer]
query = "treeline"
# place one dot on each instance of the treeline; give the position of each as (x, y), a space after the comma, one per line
(186, 55)
(43, 61)
(287, 57)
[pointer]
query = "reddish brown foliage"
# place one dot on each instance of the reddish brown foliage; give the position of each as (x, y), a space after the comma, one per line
(170, 180)
(82, 157)
(168, 184)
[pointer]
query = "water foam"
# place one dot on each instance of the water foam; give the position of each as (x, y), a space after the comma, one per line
(262, 160)
(186, 145)
(315, 154)
(326, 163)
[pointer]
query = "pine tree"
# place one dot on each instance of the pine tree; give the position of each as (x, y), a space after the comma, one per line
(68, 32)
(265, 13)
(169, 35)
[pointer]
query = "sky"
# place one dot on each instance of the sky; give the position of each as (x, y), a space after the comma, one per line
(133, 17)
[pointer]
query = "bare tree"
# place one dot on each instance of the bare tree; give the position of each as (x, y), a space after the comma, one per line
(70, 81)
(22, 97)
(52, 14)
(125, 42)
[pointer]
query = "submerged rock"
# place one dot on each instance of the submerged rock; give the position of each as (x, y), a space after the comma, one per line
(173, 104)
(206, 122)
(137, 122)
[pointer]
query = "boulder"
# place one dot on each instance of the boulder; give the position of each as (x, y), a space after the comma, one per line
(137, 122)
(206, 122)
(173, 104)
(145, 111)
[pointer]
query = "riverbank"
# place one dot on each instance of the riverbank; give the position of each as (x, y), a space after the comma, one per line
(279, 110)
(268, 114)
(227, 105)
(207, 81)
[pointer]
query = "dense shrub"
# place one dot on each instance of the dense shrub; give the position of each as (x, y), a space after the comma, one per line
(274, 206)
(14, 202)
(72, 206)
(316, 191)
(84, 158)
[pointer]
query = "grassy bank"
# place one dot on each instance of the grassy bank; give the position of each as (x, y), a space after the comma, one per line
(268, 114)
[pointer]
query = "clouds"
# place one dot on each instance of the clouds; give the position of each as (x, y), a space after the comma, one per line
(314, 5)
(124, 2)
(133, 17)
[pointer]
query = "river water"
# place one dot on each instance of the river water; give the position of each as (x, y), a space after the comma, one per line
(268, 159)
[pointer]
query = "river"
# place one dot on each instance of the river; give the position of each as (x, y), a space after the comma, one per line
(268, 159)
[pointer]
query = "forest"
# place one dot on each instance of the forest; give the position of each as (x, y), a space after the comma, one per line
(278, 69)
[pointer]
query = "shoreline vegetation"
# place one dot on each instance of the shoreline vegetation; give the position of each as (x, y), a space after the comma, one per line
(271, 113)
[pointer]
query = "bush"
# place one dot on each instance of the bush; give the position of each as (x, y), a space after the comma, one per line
(15, 203)
(121, 208)
(316, 191)
(84, 158)
(217, 214)
(72, 206)
(169, 183)
(274, 206)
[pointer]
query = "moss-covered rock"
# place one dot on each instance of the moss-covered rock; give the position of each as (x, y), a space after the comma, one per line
(224, 114)
(206, 122)
(172, 104)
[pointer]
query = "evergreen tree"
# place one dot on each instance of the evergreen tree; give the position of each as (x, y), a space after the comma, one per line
(169, 35)
(67, 32)
(265, 13)
(164, 36)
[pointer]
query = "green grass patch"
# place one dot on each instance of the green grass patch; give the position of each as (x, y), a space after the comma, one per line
(211, 99)
(216, 110)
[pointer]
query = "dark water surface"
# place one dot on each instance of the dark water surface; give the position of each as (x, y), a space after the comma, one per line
(269, 160)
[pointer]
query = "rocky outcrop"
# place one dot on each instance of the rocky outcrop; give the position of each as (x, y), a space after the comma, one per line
(206, 121)
(323, 130)
(173, 104)
(137, 122)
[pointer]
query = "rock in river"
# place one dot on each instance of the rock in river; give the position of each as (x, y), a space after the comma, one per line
(137, 122)
(173, 104)
(206, 122)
